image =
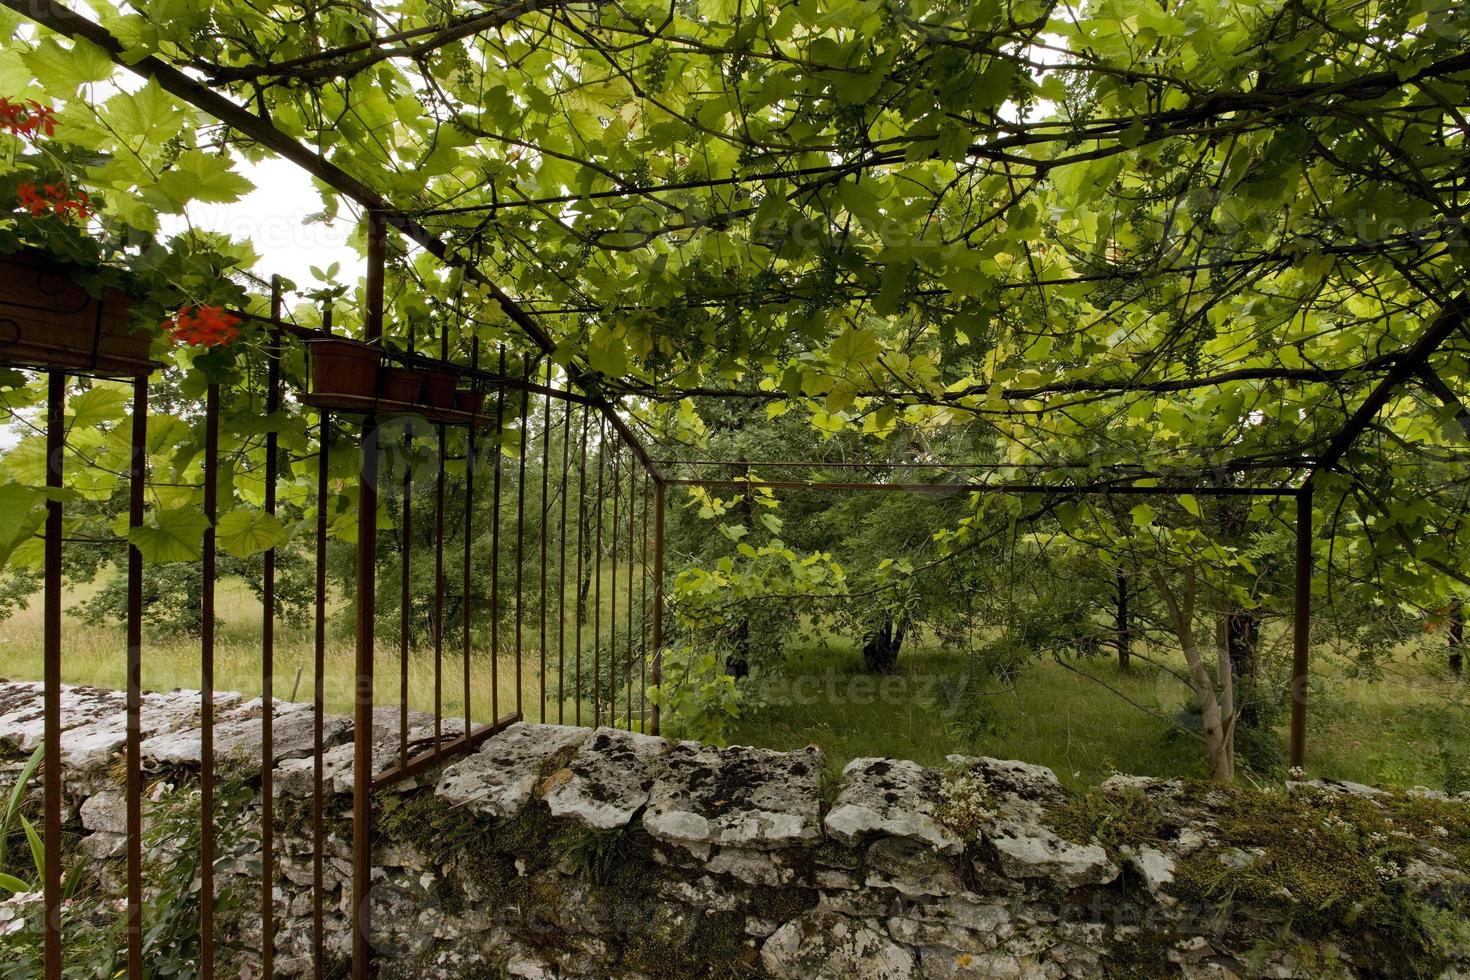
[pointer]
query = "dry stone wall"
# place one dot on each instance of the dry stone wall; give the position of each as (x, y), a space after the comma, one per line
(567, 852)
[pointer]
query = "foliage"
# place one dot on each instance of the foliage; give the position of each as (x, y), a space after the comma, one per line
(697, 696)
(96, 931)
(989, 232)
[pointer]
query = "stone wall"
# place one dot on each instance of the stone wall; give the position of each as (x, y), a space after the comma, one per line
(566, 852)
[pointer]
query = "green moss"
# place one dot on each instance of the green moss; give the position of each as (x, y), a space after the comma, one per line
(716, 946)
(597, 856)
(1142, 956)
(1329, 864)
(1114, 820)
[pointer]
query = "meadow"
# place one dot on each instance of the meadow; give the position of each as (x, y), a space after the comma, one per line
(1405, 725)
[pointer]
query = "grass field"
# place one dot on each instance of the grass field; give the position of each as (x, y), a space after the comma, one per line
(96, 655)
(1389, 730)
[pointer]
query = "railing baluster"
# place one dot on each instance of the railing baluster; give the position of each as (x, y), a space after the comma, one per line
(405, 563)
(268, 657)
(366, 601)
(597, 578)
(525, 419)
(545, 476)
(561, 569)
(612, 588)
(137, 474)
(206, 708)
(578, 602)
(497, 449)
(51, 697)
(318, 705)
(632, 557)
(643, 611)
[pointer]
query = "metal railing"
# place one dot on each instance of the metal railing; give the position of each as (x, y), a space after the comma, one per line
(573, 555)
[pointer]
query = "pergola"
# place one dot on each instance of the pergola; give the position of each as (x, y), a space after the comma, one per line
(1296, 469)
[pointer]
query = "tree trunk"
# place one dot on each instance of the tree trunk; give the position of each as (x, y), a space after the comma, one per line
(1457, 637)
(737, 661)
(1124, 635)
(880, 650)
(1216, 710)
(1243, 641)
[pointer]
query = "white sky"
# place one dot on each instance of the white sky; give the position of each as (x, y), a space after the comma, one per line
(274, 218)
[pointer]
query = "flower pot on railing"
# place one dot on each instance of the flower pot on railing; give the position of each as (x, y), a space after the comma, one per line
(400, 384)
(344, 367)
(471, 401)
(439, 387)
(48, 320)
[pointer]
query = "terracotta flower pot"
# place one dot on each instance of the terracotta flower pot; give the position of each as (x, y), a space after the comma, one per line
(399, 384)
(48, 320)
(344, 367)
(439, 387)
(471, 400)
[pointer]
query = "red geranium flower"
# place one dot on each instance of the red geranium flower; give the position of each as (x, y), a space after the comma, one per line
(30, 200)
(203, 326)
(29, 119)
(57, 199)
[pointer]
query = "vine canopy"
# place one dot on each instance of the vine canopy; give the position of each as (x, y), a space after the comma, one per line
(1186, 236)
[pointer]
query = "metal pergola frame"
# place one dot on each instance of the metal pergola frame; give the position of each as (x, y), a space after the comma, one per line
(382, 215)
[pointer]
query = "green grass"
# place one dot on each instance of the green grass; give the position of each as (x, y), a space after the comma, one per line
(96, 655)
(1387, 730)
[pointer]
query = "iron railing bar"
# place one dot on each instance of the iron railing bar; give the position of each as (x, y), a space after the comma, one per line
(597, 578)
(365, 599)
(268, 656)
(578, 602)
(497, 449)
(318, 707)
(545, 477)
(439, 591)
(137, 475)
(612, 588)
(1097, 489)
(431, 759)
(657, 626)
(405, 563)
(632, 560)
(525, 420)
(561, 567)
(51, 788)
(643, 611)
(206, 710)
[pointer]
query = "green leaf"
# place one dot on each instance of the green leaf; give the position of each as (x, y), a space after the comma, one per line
(175, 534)
(1143, 515)
(38, 849)
(854, 350)
(607, 353)
(201, 176)
(247, 531)
(13, 884)
(1187, 501)
(96, 405)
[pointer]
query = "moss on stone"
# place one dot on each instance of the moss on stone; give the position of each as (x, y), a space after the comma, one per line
(1114, 820)
(1142, 956)
(715, 946)
(1329, 864)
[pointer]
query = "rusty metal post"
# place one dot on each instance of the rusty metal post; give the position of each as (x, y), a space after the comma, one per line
(1301, 626)
(365, 598)
(51, 697)
(206, 684)
(137, 473)
(268, 654)
(658, 598)
(318, 706)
